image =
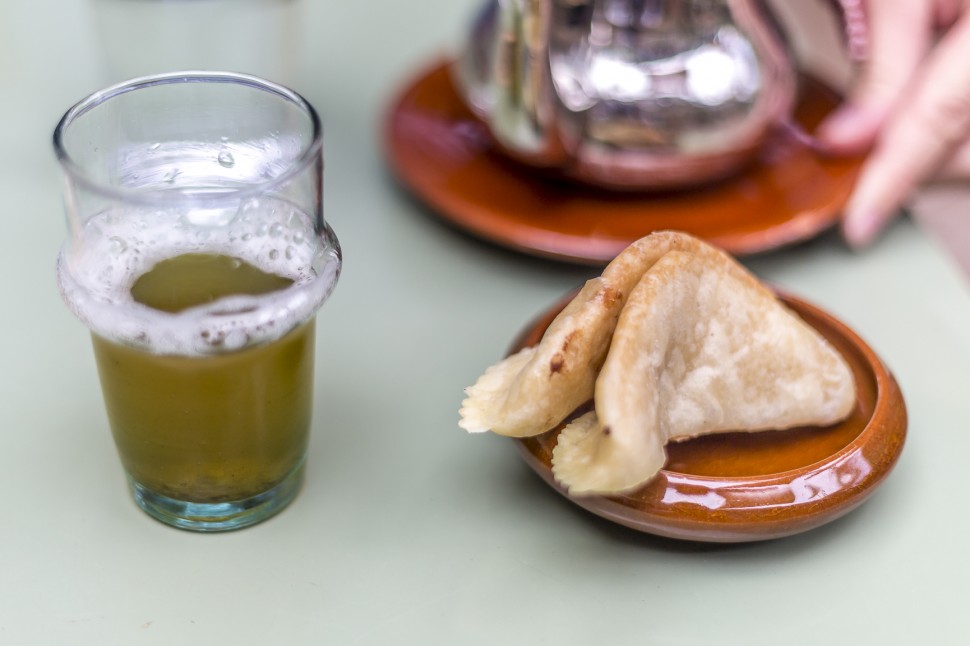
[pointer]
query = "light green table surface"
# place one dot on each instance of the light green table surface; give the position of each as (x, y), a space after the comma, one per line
(409, 531)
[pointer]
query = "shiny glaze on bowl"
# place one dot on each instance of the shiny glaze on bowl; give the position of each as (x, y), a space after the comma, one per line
(737, 487)
(443, 154)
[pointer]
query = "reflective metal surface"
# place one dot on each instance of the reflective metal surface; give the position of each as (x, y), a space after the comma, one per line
(629, 94)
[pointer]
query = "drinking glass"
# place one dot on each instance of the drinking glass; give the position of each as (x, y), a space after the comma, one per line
(198, 256)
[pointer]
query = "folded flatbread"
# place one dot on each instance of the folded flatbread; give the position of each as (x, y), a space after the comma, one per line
(700, 347)
(532, 391)
(675, 339)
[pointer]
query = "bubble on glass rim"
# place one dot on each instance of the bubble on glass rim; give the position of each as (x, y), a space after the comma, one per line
(208, 217)
(96, 283)
(236, 339)
(117, 245)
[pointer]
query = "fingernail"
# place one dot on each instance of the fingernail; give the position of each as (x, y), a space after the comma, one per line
(840, 124)
(848, 129)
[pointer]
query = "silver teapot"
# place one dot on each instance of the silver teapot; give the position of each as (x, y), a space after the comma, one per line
(629, 94)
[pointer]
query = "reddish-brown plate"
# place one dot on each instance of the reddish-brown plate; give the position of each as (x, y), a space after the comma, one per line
(736, 487)
(446, 157)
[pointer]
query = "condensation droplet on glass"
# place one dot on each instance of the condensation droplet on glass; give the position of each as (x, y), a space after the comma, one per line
(262, 229)
(171, 175)
(247, 237)
(298, 237)
(226, 160)
(155, 146)
(290, 252)
(274, 254)
(276, 230)
(236, 263)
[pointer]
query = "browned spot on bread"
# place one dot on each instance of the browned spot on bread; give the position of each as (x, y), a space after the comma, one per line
(567, 341)
(558, 360)
(611, 296)
(556, 364)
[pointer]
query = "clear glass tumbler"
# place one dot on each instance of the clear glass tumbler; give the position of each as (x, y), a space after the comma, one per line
(198, 256)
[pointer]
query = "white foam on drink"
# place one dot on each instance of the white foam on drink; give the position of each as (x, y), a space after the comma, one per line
(114, 248)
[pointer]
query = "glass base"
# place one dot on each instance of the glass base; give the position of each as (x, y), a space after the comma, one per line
(218, 516)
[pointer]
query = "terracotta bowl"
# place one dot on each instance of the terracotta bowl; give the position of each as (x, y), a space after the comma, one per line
(736, 487)
(439, 151)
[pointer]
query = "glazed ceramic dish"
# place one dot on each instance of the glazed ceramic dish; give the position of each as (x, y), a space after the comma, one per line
(446, 157)
(737, 487)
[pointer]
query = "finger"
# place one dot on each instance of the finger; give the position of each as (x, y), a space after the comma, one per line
(930, 125)
(956, 166)
(946, 13)
(899, 35)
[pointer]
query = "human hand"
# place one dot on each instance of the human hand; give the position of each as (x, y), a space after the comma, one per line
(910, 109)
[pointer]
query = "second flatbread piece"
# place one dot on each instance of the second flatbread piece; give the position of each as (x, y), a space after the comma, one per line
(701, 346)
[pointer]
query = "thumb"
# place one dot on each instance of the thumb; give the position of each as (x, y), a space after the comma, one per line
(929, 129)
(899, 37)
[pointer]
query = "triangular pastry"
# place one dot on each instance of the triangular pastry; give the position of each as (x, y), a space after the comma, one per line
(532, 391)
(701, 346)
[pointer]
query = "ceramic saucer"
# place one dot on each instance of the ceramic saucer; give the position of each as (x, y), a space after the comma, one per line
(737, 487)
(446, 157)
